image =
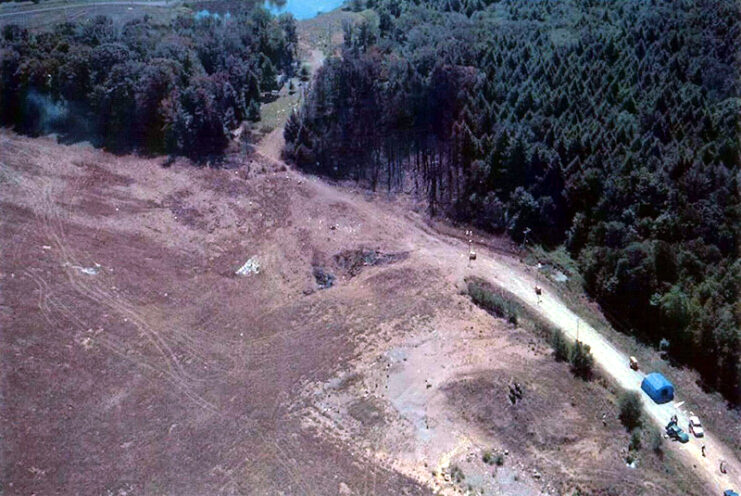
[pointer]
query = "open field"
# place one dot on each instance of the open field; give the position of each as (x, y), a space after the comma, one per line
(324, 32)
(47, 14)
(135, 361)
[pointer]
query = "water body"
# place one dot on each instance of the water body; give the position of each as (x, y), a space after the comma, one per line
(303, 9)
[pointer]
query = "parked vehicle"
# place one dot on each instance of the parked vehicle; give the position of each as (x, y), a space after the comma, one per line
(730, 492)
(633, 363)
(676, 433)
(695, 427)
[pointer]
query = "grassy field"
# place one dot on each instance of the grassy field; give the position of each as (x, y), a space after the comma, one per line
(46, 14)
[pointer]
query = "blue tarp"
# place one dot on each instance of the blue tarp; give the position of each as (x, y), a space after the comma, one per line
(658, 388)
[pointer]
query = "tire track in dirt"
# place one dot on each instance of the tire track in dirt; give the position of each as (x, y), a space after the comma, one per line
(173, 371)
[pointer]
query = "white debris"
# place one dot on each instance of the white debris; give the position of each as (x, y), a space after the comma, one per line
(559, 276)
(91, 271)
(251, 266)
(87, 343)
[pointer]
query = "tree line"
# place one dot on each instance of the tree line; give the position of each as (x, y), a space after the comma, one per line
(179, 87)
(610, 127)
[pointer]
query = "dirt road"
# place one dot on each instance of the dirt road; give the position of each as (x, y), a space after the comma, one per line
(510, 275)
(615, 364)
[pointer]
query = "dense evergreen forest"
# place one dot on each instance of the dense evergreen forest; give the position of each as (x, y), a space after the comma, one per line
(610, 127)
(178, 87)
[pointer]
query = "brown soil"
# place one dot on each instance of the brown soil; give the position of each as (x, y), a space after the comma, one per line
(135, 361)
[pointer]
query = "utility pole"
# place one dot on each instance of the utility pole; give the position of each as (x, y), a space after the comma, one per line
(471, 253)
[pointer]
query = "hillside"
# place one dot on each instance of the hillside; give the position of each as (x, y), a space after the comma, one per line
(135, 359)
(231, 324)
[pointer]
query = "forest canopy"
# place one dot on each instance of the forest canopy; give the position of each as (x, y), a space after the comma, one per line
(610, 127)
(177, 87)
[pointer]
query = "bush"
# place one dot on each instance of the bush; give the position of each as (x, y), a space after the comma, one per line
(635, 440)
(493, 303)
(657, 442)
(582, 361)
(457, 474)
(491, 459)
(561, 347)
(631, 409)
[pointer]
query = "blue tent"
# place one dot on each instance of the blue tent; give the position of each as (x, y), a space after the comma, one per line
(658, 388)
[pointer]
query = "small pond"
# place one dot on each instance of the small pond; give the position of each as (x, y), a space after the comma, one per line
(302, 9)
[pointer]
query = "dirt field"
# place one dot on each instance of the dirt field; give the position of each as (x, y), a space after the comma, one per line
(135, 361)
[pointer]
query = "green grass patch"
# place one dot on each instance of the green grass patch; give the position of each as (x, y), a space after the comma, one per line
(275, 114)
(497, 304)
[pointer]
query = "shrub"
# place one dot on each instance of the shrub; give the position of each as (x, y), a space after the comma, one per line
(304, 73)
(493, 303)
(582, 361)
(635, 440)
(561, 347)
(631, 409)
(657, 442)
(457, 474)
(492, 459)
